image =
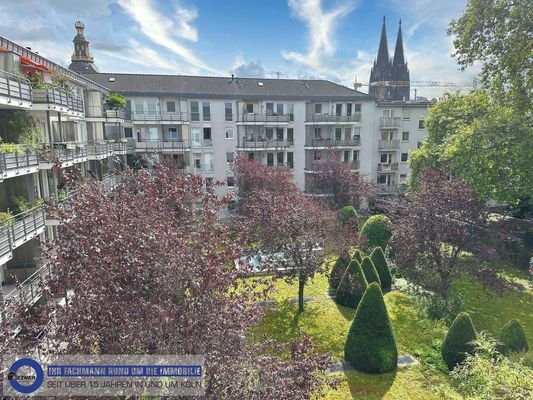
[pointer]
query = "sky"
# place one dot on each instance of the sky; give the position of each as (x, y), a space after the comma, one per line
(303, 39)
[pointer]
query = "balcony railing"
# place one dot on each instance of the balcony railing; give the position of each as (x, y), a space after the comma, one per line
(265, 118)
(335, 118)
(111, 181)
(21, 228)
(99, 150)
(31, 288)
(14, 88)
(383, 167)
(159, 116)
(384, 188)
(390, 122)
(67, 152)
(120, 147)
(328, 142)
(13, 164)
(389, 144)
(162, 145)
(115, 114)
(58, 97)
(264, 143)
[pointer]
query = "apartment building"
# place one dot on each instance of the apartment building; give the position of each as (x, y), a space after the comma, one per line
(48, 115)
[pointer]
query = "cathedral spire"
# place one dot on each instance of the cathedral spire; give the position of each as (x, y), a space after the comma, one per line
(383, 52)
(398, 51)
(82, 60)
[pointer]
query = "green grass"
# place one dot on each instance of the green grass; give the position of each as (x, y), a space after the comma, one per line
(327, 324)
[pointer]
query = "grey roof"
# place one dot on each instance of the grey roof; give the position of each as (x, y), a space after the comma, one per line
(225, 87)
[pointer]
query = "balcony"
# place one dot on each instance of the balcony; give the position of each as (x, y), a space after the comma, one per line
(31, 288)
(333, 118)
(387, 189)
(99, 150)
(203, 168)
(387, 167)
(111, 181)
(17, 164)
(58, 100)
(67, 153)
(389, 144)
(310, 165)
(323, 142)
(164, 118)
(390, 123)
(15, 91)
(20, 229)
(264, 119)
(264, 144)
(114, 115)
(157, 145)
(120, 147)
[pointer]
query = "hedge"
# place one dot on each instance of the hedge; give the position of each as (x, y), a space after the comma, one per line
(370, 345)
(347, 213)
(338, 270)
(377, 231)
(382, 266)
(458, 341)
(371, 274)
(513, 338)
(352, 286)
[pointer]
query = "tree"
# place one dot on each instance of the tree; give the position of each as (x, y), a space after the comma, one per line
(352, 286)
(148, 265)
(338, 270)
(432, 225)
(377, 230)
(339, 179)
(497, 34)
(115, 100)
(466, 133)
(459, 341)
(513, 338)
(348, 214)
(370, 272)
(371, 344)
(382, 266)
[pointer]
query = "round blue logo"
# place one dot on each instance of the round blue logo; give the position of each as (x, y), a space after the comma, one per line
(16, 379)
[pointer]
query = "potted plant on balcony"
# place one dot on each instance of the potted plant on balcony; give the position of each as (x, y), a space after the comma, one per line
(115, 101)
(6, 218)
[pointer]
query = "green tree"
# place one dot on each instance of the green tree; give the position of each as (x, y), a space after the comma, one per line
(338, 270)
(115, 100)
(486, 143)
(352, 287)
(377, 230)
(497, 34)
(459, 341)
(382, 266)
(370, 272)
(370, 344)
(513, 338)
(347, 213)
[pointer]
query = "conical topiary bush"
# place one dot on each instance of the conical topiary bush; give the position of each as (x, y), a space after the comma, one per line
(513, 338)
(338, 270)
(370, 272)
(370, 345)
(357, 256)
(347, 213)
(458, 341)
(352, 286)
(382, 266)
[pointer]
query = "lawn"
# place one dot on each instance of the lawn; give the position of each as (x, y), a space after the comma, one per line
(327, 324)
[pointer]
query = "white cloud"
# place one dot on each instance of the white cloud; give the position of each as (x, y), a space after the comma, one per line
(250, 69)
(321, 26)
(165, 31)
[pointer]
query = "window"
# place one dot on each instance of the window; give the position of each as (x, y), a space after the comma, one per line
(349, 109)
(318, 108)
(209, 184)
(250, 108)
(356, 133)
(338, 109)
(279, 109)
(357, 107)
(207, 133)
(290, 159)
(420, 124)
(229, 157)
(171, 106)
(338, 133)
(346, 156)
(270, 159)
(386, 158)
(316, 155)
(347, 133)
(279, 134)
(356, 155)
(228, 112)
(270, 133)
(251, 156)
(388, 113)
(290, 135)
(172, 134)
(403, 177)
(139, 107)
(270, 108)
(195, 111)
(152, 133)
(382, 179)
(405, 136)
(152, 107)
(231, 181)
(290, 111)
(128, 132)
(206, 111)
(317, 133)
(406, 113)
(404, 157)
(279, 159)
(229, 133)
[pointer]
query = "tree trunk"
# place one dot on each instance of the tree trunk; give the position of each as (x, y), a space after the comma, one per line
(301, 284)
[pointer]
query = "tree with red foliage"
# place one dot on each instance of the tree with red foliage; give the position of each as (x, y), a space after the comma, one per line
(147, 270)
(339, 180)
(432, 225)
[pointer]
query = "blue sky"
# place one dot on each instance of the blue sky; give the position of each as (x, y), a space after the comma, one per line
(335, 40)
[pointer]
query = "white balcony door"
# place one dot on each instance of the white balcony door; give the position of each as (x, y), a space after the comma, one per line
(196, 137)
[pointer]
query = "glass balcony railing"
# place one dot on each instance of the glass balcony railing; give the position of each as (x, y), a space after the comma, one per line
(265, 118)
(157, 145)
(99, 150)
(264, 143)
(159, 116)
(330, 142)
(15, 89)
(389, 144)
(31, 289)
(390, 122)
(65, 152)
(384, 167)
(334, 118)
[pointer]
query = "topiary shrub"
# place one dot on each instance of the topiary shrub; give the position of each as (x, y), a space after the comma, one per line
(377, 231)
(382, 266)
(346, 214)
(459, 341)
(352, 286)
(357, 256)
(370, 272)
(512, 338)
(370, 345)
(338, 270)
